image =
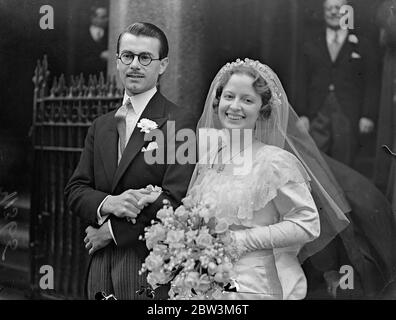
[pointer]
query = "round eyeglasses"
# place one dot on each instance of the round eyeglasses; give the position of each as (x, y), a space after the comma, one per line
(128, 57)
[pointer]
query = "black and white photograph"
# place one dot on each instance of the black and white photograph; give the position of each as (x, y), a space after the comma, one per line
(210, 150)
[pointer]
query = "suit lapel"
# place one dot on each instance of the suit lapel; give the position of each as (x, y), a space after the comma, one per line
(155, 111)
(108, 147)
(323, 48)
(343, 51)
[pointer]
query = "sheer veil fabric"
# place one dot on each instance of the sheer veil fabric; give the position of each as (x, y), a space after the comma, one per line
(283, 129)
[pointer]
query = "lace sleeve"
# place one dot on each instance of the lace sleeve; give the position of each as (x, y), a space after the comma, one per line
(273, 169)
(283, 180)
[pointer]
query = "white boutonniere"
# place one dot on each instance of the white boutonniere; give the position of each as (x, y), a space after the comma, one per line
(146, 125)
(352, 38)
(151, 146)
(355, 55)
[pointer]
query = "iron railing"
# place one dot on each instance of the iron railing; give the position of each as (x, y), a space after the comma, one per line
(62, 115)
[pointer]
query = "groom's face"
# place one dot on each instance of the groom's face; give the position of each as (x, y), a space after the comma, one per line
(136, 77)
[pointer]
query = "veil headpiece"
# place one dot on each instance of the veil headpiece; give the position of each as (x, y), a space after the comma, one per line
(283, 129)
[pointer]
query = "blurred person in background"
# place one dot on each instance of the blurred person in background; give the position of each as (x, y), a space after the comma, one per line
(93, 49)
(385, 166)
(338, 94)
(338, 104)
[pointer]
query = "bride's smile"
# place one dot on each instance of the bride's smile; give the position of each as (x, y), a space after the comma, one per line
(239, 104)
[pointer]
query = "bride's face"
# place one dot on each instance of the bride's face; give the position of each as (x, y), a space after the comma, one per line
(240, 104)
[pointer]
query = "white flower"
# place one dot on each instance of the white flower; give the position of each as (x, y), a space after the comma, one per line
(355, 55)
(191, 234)
(352, 38)
(204, 240)
(178, 281)
(163, 213)
(146, 125)
(153, 261)
(156, 278)
(201, 250)
(181, 213)
(151, 146)
(192, 279)
(188, 202)
(156, 233)
(221, 226)
(204, 283)
(206, 214)
(175, 236)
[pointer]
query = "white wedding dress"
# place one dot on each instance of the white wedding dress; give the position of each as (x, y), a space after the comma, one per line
(272, 214)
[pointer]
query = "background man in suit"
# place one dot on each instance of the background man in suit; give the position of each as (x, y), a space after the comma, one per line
(93, 53)
(338, 100)
(107, 184)
(339, 93)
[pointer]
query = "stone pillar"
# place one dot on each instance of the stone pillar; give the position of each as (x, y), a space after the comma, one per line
(182, 22)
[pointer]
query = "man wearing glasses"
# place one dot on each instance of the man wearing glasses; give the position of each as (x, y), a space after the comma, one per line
(107, 189)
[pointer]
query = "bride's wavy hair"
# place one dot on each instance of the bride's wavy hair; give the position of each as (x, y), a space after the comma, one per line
(259, 85)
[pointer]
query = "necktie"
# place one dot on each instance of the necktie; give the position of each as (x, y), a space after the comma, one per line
(120, 117)
(334, 47)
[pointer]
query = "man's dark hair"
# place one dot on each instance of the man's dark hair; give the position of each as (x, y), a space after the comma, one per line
(148, 30)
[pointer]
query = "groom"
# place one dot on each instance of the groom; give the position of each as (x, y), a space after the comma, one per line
(104, 189)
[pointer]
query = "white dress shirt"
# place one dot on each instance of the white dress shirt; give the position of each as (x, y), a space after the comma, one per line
(139, 103)
(331, 34)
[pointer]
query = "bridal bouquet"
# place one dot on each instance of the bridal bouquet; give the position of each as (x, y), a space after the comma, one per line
(192, 250)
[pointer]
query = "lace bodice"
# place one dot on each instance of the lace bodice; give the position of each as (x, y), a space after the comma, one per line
(238, 198)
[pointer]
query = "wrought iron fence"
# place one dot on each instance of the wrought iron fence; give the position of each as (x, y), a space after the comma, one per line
(62, 114)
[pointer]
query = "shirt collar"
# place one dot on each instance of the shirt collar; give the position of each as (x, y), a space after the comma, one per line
(140, 101)
(341, 34)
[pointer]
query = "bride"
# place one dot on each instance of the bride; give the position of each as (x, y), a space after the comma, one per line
(269, 207)
(282, 201)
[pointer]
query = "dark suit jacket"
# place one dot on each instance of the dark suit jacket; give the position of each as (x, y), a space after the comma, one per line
(354, 80)
(97, 174)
